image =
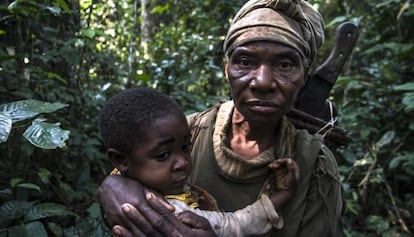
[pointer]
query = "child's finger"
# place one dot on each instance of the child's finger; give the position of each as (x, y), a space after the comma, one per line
(279, 163)
(293, 168)
(274, 165)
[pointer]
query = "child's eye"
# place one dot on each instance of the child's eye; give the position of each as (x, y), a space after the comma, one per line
(162, 156)
(186, 147)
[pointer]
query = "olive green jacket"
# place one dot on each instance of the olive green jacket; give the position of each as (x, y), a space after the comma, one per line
(317, 206)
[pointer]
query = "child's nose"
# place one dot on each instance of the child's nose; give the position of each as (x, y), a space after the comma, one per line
(181, 163)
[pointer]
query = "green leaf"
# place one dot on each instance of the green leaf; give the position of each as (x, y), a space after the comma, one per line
(54, 10)
(55, 229)
(5, 126)
(408, 101)
(44, 210)
(5, 194)
(18, 230)
(15, 181)
(395, 162)
(13, 210)
(36, 229)
(88, 33)
(62, 4)
(377, 223)
(385, 139)
(29, 186)
(409, 86)
(94, 210)
(44, 175)
(46, 135)
(411, 126)
(335, 21)
(24, 109)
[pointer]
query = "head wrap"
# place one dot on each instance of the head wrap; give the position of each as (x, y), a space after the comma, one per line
(294, 23)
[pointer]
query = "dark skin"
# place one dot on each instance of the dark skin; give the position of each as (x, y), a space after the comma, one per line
(187, 223)
(190, 224)
(264, 78)
(154, 218)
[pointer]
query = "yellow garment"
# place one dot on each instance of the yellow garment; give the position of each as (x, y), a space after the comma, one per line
(189, 198)
(115, 171)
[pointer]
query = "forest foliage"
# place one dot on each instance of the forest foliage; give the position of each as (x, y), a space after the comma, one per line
(60, 60)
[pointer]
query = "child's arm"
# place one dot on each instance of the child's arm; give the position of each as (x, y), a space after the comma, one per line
(254, 220)
(261, 216)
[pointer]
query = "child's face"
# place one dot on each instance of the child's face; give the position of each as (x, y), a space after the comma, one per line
(162, 161)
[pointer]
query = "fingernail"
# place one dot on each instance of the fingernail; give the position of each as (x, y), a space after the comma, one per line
(116, 231)
(149, 196)
(126, 208)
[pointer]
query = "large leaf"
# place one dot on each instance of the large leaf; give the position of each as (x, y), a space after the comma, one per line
(29, 186)
(409, 86)
(36, 229)
(5, 194)
(5, 126)
(16, 230)
(24, 109)
(46, 135)
(43, 210)
(385, 139)
(13, 210)
(32, 229)
(408, 101)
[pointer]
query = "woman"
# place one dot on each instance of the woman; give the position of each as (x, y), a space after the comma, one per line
(268, 50)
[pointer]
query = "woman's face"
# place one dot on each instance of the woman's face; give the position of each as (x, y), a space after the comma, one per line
(264, 79)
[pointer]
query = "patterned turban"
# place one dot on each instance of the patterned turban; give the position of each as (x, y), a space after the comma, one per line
(294, 23)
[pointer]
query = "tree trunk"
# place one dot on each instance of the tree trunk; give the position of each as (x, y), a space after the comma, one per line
(150, 23)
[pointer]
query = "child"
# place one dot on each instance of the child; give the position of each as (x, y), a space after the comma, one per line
(148, 139)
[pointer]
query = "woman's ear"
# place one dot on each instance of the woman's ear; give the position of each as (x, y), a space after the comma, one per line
(225, 62)
(225, 73)
(117, 159)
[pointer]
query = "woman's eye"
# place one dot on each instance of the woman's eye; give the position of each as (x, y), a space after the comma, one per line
(162, 156)
(285, 66)
(244, 62)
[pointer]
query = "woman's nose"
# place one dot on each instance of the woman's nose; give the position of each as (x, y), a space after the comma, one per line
(263, 79)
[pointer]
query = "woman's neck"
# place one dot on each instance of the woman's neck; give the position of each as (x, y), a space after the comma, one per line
(249, 140)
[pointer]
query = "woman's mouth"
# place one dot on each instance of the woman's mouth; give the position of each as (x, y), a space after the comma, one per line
(262, 106)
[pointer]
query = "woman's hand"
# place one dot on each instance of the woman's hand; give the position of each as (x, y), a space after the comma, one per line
(142, 217)
(166, 224)
(116, 190)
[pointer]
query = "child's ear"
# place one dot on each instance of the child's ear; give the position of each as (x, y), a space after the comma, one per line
(118, 160)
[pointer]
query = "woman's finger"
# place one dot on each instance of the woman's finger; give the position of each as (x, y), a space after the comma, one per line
(120, 231)
(165, 222)
(137, 223)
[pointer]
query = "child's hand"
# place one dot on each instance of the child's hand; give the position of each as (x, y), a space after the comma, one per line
(287, 177)
(286, 172)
